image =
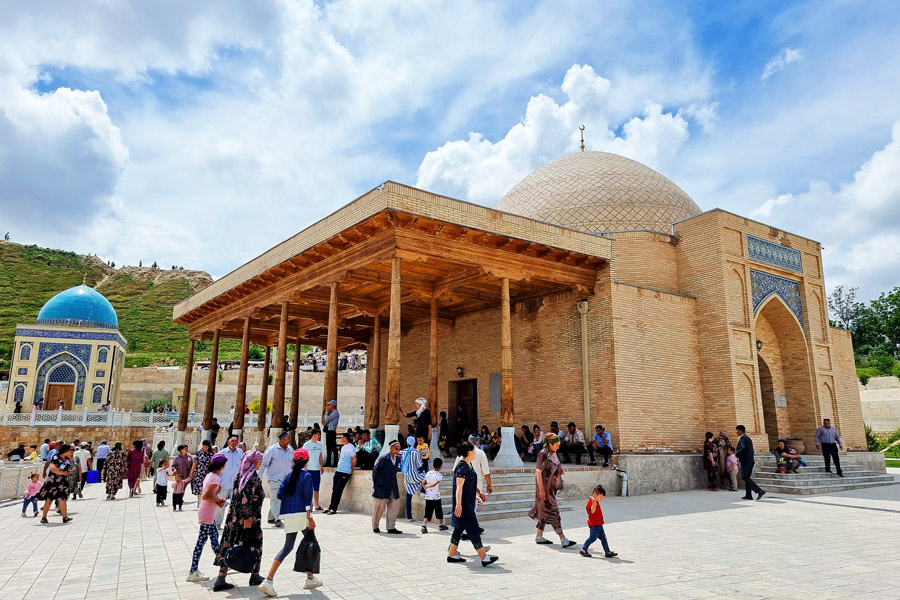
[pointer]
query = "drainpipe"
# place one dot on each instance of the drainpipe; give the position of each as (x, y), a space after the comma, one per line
(583, 309)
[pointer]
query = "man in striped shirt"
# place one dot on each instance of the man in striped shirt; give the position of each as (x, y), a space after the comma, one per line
(828, 439)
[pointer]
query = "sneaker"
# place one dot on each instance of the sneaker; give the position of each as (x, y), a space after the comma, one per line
(271, 521)
(568, 544)
(410, 520)
(376, 530)
(256, 579)
(584, 553)
(196, 576)
(23, 515)
(424, 529)
(279, 523)
(489, 560)
(221, 586)
(542, 541)
(611, 554)
(267, 588)
(761, 494)
(440, 527)
(312, 583)
(395, 531)
(841, 474)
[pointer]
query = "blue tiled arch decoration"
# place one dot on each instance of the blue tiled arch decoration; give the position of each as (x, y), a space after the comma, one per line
(102, 354)
(764, 285)
(97, 394)
(19, 395)
(49, 364)
(25, 351)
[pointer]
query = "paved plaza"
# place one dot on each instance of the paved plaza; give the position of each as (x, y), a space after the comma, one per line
(679, 545)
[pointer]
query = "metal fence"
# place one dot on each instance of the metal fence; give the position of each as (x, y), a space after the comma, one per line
(86, 418)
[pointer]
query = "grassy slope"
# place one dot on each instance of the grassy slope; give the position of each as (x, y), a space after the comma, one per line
(29, 276)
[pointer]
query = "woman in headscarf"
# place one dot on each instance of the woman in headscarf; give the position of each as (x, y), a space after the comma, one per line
(201, 467)
(465, 490)
(135, 467)
(709, 463)
(243, 527)
(722, 444)
(422, 419)
(183, 464)
(114, 470)
(413, 476)
(296, 495)
(548, 476)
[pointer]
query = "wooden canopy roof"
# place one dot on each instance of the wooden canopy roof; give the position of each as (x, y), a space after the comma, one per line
(451, 250)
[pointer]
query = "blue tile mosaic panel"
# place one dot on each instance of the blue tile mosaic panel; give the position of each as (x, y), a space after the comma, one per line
(48, 349)
(19, 394)
(22, 371)
(774, 254)
(97, 396)
(100, 374)
(25, 351)
(764, 285)
(102, 353)
(72, 335)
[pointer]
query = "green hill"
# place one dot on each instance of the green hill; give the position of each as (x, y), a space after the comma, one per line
(143, 299)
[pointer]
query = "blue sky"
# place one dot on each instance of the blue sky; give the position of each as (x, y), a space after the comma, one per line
(155, 132)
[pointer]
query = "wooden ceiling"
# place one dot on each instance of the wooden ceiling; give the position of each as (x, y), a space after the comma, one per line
(460, 267)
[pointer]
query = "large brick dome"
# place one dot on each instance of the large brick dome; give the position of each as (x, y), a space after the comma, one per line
(599, 191)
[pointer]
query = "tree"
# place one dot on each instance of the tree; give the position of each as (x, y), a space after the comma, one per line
(256, 352)
(842, 306)
(887, 309)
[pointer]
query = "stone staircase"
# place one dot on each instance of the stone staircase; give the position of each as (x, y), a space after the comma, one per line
(813, 479)
(513, 495)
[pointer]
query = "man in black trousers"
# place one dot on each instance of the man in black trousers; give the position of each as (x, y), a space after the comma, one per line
(744, 452)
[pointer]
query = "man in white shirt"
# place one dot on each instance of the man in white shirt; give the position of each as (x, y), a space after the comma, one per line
(480, 464)
(233, 454)
(315, 464)
(83, 456)
(102, 452)
(277, 463)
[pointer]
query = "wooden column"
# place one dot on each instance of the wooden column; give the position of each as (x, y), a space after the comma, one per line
(507, 415)
(433, 364)
(211, 383)
(295, 383)
(264, 392)
(280, 369)
(185, 407)
(240, 400)
(373, 377)
(392, 410)
(331, 350)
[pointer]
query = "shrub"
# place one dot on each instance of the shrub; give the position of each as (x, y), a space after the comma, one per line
(271, 378)
(152, 405)
(881, 359)
(896, 371)
(866, 373)
(256, 352)
(893, 452)
(871, 439)
(254, 406)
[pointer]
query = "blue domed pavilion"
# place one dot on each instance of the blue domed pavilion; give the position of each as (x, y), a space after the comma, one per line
(72, 356)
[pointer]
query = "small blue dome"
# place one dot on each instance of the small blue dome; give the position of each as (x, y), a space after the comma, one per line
(81, 306)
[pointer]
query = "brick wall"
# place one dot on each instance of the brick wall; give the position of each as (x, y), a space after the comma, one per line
(846, 391)
(10, 437)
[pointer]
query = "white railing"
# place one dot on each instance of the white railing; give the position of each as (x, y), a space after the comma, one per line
(88, 418)
(14, 477)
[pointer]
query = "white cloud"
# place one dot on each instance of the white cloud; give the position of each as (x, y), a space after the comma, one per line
(781, 60)
(482, 171)
(856, 223)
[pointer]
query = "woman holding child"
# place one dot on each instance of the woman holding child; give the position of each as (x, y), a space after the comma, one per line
(709, 463)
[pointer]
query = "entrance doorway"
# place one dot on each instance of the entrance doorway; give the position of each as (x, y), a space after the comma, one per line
(463, 405)
(59, 394)
(767, 389)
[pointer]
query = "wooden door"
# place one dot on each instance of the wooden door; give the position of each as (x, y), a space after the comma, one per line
(59, 394)
(464, 395)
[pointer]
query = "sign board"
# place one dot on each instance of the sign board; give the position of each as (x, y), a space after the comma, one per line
(495, 383)
(780, 401)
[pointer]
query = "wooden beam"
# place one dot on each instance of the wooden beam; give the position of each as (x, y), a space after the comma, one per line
(211, 384)
(241, 396)
(280, 370)
(392, 409)
(458, 279)
(264, 391)
(186, 390)
(507, 414)
(331, 350)
(373, 377)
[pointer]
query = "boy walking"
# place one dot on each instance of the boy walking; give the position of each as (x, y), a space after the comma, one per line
(162, 483)
(178, 492)
(595, 523)
(432, 487)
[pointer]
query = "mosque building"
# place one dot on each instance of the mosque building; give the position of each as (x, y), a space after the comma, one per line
(72, 356)
(596, 291)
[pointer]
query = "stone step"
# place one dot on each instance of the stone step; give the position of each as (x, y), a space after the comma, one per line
(812, 475)
(521, 504)
(824, 489)
(811, 469)
(827, 480)
(504, 513)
